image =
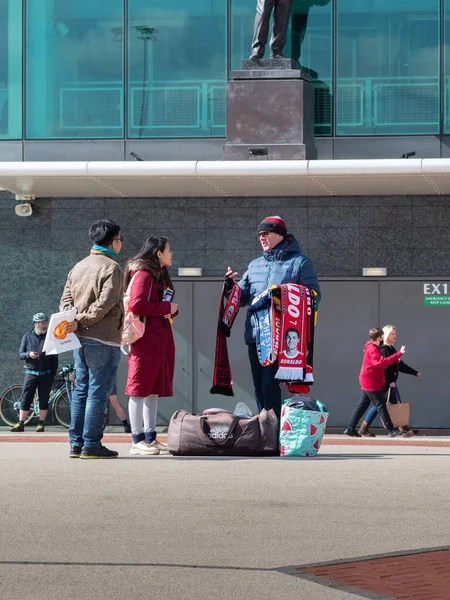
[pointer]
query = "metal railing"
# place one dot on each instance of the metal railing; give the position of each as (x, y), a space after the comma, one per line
(362, 104)
(399, 102)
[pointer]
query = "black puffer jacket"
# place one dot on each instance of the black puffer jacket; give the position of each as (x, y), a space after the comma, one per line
(391, 373)
(34, 343)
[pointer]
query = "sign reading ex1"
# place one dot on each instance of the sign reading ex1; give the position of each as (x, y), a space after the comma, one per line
(436, 294)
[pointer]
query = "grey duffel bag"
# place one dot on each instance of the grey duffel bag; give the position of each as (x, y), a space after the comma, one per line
(223, 433)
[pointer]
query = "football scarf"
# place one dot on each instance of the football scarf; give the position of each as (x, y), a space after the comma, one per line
(296, 313)
(228, 310)
(265, 309)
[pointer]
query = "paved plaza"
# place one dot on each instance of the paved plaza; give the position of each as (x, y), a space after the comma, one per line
(198, 528)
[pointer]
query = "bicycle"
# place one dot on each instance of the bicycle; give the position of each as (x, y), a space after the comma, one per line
(59, 402)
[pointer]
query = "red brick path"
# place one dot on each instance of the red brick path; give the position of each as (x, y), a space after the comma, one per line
(424, 576)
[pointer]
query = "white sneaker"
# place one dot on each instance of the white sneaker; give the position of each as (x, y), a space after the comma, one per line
(144, 448)
(161, 447)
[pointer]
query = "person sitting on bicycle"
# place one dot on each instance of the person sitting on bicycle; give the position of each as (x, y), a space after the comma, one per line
(40, 371)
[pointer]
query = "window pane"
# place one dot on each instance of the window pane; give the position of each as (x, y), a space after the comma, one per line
(309, 41)
(387, 67)
(177, 68)
(74, 69)
(10, 69)
(447, 67)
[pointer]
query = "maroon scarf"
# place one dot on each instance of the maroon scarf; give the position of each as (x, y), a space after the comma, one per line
(228, 310)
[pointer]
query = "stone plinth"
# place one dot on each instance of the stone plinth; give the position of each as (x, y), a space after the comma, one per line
(269, 64)
(270, 113)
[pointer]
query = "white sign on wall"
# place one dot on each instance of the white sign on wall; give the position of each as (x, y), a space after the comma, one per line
(436, 294)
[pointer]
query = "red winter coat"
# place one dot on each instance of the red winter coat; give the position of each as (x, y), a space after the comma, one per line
(372, 377)
(151, 361)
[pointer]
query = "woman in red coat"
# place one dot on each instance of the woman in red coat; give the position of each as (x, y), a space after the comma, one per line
(151, 360)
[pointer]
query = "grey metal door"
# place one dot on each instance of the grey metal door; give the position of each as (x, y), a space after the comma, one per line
(424, 330)
(206, 309)
(346, 313)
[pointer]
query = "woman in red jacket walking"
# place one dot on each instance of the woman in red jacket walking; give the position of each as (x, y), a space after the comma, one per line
(151, 360)
(372, 380)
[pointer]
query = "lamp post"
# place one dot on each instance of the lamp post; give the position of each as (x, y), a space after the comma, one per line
(146, 34)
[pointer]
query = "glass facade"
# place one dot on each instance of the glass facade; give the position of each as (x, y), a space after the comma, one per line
(388, 74)
(10, 70)
(74, 69)
(177, 68)
(114, 69)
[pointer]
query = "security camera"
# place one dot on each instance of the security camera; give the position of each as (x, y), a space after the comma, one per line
(24, 209)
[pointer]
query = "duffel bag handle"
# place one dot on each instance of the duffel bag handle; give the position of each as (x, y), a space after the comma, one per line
(204, 422)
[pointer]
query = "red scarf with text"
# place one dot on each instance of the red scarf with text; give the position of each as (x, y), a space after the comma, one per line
(228, 310)
(295, 359)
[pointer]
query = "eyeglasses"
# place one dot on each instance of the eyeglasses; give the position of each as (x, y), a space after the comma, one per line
(118, 239)
(262, 234)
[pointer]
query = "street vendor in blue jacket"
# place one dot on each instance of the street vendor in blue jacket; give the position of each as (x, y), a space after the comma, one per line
(282, 262)
(40, 371)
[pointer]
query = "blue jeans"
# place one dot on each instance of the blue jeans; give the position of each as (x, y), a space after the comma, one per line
(95, 371)
(372, 412)
(267, 388)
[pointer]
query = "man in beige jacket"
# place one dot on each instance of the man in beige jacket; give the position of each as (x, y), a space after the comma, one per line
(95, 288)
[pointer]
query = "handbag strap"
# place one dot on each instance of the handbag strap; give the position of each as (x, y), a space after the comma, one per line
(388, 400)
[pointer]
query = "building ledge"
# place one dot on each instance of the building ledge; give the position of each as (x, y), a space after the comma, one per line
(200, 179)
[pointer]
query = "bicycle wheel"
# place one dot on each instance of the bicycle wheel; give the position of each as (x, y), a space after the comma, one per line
(10, 405)
(62, 409)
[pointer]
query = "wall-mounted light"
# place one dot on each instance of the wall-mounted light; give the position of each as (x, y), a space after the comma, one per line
(374, 272)
(24, 208)
(190, 272)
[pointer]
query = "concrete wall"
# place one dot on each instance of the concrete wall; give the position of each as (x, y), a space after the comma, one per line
(409, 236)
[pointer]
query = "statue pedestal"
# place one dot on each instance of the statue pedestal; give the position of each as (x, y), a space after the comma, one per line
(270, 112)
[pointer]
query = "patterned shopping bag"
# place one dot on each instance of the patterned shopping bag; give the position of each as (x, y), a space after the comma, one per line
(302, 429)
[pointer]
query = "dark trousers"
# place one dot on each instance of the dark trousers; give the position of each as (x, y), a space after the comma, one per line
(281, 10)
(394, 397)
(378, 399)
(31, 383)
(267, 388)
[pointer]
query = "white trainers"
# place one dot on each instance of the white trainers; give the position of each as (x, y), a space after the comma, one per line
(144, 448)
(161, 447)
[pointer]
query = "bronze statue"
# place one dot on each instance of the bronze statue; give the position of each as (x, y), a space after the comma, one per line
(281, 10)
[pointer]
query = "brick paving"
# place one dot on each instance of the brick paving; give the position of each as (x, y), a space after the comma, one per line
(418, 576)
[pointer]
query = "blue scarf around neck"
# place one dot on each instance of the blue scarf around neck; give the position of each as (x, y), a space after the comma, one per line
(108, 251)
(277, 252)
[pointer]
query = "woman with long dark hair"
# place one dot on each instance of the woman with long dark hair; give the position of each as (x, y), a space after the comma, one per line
(151, 360)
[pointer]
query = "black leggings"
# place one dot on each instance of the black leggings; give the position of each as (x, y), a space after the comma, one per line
(31, 383)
